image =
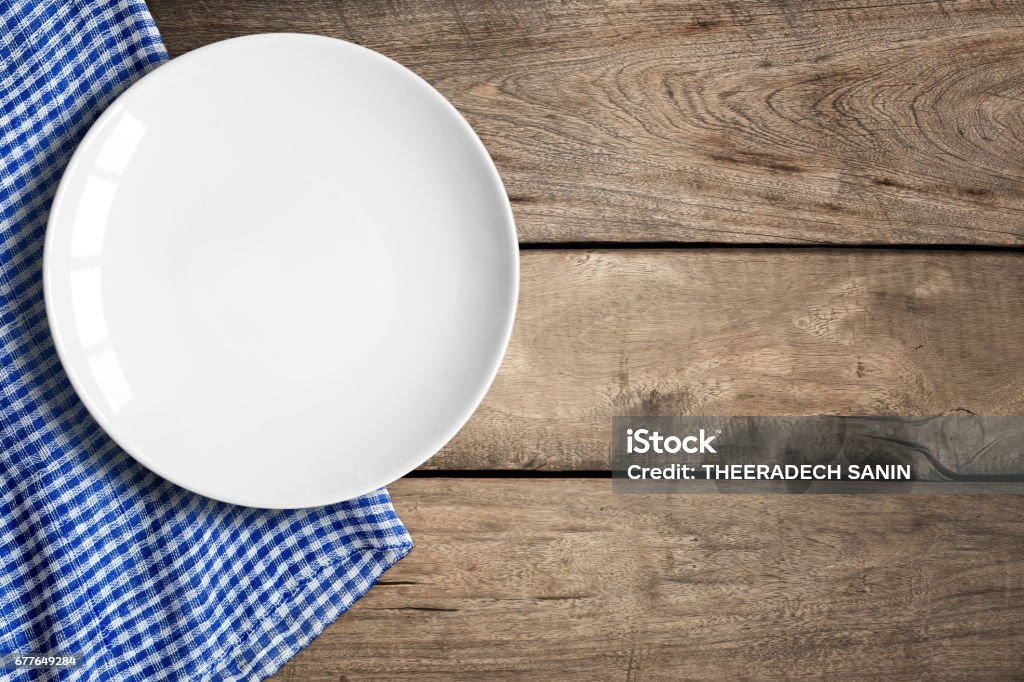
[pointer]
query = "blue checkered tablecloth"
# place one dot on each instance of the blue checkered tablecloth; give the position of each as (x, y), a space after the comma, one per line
(99, 557)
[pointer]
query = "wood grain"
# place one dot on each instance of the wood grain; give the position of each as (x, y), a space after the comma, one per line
(737, 122)
(839, 122)
(563, 580)
(743, 332)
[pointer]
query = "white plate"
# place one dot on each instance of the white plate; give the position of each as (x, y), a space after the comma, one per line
(281, 270)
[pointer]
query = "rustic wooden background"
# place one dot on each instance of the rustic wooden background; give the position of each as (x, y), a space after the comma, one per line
(726, 208)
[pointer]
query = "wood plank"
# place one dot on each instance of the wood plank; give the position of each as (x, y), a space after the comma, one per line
(561, 579)
(743, 332)
(840, 122)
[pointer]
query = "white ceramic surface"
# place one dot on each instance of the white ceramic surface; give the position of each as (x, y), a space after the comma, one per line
(281, 270)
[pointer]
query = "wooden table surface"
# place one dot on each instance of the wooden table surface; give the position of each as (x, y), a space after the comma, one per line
(777, 208)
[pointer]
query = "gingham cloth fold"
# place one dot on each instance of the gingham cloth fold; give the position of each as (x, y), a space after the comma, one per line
(98, 556)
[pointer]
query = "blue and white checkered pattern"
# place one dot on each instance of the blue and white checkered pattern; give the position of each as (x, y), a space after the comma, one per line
(98, 556)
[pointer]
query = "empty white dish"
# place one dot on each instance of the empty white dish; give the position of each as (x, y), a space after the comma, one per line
(281, 270)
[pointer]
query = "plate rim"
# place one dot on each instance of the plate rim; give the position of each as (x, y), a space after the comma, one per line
(397, 470)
